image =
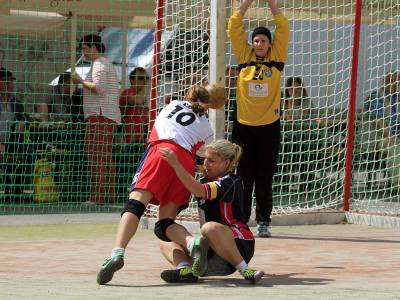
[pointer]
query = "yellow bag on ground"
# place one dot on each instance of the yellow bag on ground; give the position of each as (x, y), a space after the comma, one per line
(44, 186)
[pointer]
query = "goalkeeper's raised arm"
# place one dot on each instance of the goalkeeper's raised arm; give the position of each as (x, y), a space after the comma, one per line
(271, 3)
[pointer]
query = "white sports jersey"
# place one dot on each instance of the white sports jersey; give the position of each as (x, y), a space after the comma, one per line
(177, 122)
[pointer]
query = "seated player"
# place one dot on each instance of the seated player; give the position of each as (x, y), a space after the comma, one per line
(220, 200)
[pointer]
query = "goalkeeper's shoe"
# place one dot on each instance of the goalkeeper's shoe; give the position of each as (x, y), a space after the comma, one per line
(263, 229)
(252, 275)
(109, 267)
(199, 255)
(183, 275)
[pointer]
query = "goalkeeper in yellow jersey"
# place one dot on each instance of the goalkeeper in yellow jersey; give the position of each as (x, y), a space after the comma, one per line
(257, 128)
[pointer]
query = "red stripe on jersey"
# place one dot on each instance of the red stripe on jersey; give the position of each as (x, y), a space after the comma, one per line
(239, 229)
(210, 190)
(196, 147)
(153, 136)
(207, 191)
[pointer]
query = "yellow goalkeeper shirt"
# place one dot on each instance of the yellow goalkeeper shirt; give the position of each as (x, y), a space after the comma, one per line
(258, 88)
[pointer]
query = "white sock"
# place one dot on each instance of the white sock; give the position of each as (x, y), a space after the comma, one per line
(117, 251)
(189, 244)
(182, 265)
(241, 266)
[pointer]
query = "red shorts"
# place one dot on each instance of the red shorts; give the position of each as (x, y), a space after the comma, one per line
(158, 177)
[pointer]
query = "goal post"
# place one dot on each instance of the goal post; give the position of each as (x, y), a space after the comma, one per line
(314, 170)
(217, 60)
(352, 106)
(326, 92)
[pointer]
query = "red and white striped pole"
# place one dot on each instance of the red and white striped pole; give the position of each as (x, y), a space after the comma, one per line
(156, 61)
(352, 107)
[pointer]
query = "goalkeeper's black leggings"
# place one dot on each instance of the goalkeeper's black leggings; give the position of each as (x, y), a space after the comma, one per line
(258, 164)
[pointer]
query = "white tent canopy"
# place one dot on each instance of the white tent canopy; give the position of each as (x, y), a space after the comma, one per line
(44, 18)
(32, 23)
(86, 7)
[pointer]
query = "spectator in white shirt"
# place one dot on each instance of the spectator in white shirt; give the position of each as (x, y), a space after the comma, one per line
(101, 110)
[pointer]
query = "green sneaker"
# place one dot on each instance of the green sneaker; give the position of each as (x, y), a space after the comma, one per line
(109, 267)
(183, 275)
(252, 275)
(199, 255)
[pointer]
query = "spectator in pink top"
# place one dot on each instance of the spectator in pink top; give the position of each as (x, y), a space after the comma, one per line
(101, 110)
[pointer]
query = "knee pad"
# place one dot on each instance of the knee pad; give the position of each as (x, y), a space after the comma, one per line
(135, 207)
(160, 229)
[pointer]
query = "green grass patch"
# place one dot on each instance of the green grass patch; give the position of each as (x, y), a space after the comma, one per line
(57, 232)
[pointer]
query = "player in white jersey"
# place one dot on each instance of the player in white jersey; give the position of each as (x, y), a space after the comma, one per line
(183, 127)
(178, 123)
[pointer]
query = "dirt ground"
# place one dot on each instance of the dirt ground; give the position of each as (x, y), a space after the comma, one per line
(301, 262)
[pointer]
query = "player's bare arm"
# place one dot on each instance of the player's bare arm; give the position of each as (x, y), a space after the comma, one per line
(271, 3)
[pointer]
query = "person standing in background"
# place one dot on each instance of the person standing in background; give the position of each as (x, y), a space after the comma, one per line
(135, 119)
(135, 113)
(101, 110)
(381, 126)
(56, 106)
(298, 105)
(297, 112)
(257, 128)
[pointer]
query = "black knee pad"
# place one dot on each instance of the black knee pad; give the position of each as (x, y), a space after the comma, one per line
(135, 207)
(160, 229)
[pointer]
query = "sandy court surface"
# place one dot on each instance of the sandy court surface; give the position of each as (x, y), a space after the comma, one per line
(301, 262)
